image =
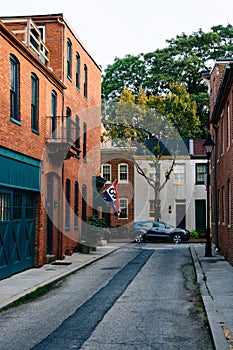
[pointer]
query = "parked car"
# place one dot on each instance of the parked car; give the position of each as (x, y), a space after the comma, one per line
(140, 227)
(161, 231)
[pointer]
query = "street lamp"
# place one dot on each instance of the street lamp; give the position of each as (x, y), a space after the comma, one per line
(208, 146)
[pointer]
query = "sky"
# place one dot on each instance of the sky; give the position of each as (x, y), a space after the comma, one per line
(115, 28)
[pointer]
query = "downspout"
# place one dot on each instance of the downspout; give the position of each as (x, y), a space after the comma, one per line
(63, 107)
(215, 191)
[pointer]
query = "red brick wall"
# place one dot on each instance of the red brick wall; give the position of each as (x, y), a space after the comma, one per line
(125, 190)
(20, 137)
(224, 169)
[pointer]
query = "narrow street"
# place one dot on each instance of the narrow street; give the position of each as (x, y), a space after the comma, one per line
(139, 297)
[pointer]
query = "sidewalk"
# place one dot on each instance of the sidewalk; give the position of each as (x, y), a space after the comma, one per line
(214, 275)
(19, 286)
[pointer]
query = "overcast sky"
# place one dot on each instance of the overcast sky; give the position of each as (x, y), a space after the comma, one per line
(114, 28)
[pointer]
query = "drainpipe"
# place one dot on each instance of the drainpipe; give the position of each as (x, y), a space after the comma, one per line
(60, 21)
(215, 191)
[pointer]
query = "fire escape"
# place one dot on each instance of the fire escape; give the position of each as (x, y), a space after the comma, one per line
(63, 139)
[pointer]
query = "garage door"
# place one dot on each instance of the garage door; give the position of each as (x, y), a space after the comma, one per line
(17, 231)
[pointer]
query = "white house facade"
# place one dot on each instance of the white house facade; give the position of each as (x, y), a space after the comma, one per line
(183, 197)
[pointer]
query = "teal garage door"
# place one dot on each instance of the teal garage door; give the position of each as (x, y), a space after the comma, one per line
(17, 231)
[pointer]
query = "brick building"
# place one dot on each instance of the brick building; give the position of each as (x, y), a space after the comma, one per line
(49, 140)
(117, 165)
(220, 81)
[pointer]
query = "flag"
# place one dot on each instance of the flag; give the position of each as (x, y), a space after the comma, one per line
(111, 193)
(117, 202)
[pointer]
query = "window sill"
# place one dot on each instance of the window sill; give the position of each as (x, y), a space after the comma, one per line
(16, 121)
(35, 131)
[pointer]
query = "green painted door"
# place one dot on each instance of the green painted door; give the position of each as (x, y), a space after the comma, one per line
(17, 231)
(200, 211)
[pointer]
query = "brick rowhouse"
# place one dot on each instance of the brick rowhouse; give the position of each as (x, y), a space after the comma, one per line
(55, 136)
(221, 119)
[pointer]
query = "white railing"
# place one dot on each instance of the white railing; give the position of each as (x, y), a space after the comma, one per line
(32, 36)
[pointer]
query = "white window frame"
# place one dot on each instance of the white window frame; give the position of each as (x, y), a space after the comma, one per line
(152, 171)
(110, 172)
(151, 208)
(119, 173)
(125, 205)
(179, 176)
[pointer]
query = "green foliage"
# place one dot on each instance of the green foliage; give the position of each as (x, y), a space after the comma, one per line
(95, 221)
(194, 234)
(94, 231)
(180, 62)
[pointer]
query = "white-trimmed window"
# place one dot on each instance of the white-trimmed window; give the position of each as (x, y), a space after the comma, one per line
(152, 171)
(151, 208)
(106, 172)
(222, 133)
(123, 172)
(179, 173)
(200, 173)
(123, 208)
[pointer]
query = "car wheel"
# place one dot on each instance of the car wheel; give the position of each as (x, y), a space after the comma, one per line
(177, 238)
(139, 239)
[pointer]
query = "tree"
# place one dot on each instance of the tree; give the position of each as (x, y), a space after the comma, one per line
(180, 62)
(135, 125)
(126, 72)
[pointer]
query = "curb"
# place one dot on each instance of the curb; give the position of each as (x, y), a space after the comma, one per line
(218, 336)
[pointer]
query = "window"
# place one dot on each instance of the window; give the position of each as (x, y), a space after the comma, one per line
(222, 133)
(228, 125)
(84, 203)
(68, 115)
(84, 142)
(218, 206)
(229, 203)
(14, 88)
(77, 128)
(30, 206)
(69, 59)
(77, 80)
(123, 208)
(54, 114)
(223, 205)
(76, 195)
(85, 82)
(106, 172)
(179, 173)
(17, 206)
(67, 205)
(5, 206)
(152, 171)
(34, 103)
(200, 174)
(151, 208)
(123, 172)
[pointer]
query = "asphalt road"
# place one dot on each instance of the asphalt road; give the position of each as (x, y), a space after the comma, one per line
(139, 297)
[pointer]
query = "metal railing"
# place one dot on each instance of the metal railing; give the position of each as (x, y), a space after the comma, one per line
(62, 129)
